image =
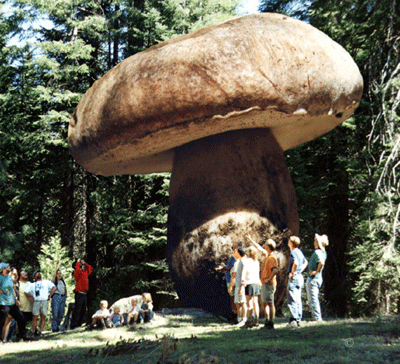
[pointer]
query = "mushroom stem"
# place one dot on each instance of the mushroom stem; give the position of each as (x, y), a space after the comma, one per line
(223, 188)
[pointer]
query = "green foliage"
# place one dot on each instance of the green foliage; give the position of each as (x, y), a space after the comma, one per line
(346, 182)
(375, 262)
(50, 254)
(369, 31)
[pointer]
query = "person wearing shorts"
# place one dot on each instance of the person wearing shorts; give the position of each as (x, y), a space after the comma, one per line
(227, 268)
(236, 285)
(39, 292)
(268, 280)
(251, 280)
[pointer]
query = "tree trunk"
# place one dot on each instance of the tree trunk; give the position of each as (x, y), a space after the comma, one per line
(222, 189)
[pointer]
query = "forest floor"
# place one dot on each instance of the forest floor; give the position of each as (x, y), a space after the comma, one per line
(190, 338)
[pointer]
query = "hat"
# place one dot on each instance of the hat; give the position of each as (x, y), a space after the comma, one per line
(322, 241)
(3, 266)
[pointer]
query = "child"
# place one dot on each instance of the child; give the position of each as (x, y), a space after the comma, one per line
(116, 318)
(101, 318)
(146, 310)
(133, 312)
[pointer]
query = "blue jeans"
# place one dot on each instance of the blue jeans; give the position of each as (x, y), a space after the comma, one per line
(313, 285)
(58, 308)
(147, 316)
(295, 304)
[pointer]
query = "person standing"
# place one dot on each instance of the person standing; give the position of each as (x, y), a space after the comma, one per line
(236, 284)
(39, 292)
(227, 268)
(25, 303)
(296, 266)
(314, 275)
(81, 275)
(8, 305)
(251, 280)
(11, 325)
(268, 280)
(58, 300)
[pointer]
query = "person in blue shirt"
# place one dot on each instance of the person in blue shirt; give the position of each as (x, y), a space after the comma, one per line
(8, 305)
(296, 266)
(314, 275)
(227, 269)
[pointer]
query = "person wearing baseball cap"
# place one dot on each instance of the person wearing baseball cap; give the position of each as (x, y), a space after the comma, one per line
(314, 275)
(8, 305)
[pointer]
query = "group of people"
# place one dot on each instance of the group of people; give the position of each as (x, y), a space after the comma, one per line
(247, 282)
(22, 301)
(105, 318)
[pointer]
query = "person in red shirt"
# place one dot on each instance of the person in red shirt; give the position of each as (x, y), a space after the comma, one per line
(81, 275)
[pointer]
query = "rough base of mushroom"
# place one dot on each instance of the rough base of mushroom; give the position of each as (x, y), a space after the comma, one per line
(222, 189)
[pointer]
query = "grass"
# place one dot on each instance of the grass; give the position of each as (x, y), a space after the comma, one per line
(184, 339)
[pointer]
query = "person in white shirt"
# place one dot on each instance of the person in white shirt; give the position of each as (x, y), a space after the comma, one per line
(236, 284)
(38, 291)
(101, 318)
(252, 283)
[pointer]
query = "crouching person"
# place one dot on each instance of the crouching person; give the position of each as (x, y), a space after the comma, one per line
(101, 317)
(146, 310)
(133, 313)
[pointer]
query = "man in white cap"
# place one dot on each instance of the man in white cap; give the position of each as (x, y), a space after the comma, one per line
(314, 275)
(8, 304)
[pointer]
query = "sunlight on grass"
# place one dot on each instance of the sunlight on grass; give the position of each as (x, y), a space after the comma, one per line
(176, 339)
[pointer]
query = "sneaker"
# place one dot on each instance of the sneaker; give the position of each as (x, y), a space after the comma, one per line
(241, 323)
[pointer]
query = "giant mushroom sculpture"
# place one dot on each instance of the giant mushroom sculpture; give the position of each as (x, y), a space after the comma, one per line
(217, 108)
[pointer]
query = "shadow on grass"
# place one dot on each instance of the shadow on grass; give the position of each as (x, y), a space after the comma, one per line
(338, 341)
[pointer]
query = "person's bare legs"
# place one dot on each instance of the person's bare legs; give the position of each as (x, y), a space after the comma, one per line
(242, 311)
(42, 321)
(249, 306)
(6, 327)
(133, 316)
(270, 311)
(34, 322)
(269, 315)
(256, 308)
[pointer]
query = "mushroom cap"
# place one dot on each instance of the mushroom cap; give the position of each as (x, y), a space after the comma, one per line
(256, 71)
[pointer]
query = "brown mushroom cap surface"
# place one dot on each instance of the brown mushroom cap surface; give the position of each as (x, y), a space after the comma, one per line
(257, 71)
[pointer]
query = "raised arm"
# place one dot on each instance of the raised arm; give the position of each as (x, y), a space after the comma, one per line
(258, 246)
(55, 272)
